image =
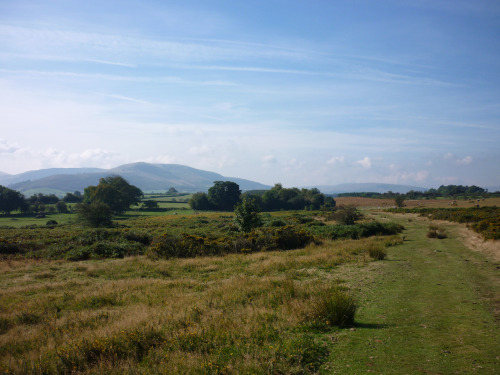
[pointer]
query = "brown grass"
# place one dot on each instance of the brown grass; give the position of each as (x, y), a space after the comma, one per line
(432, 203)
(201, 310)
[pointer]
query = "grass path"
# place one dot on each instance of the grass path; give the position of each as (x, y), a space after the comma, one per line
(429, 309)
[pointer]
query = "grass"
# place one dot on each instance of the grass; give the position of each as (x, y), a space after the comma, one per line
(429, 309)
(233, 314)
(423, 306)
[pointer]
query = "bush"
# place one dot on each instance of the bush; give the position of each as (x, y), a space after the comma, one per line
(51, 223)
(96, 214)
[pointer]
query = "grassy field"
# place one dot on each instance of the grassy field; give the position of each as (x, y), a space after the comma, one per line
(424, 305)
(429, 203)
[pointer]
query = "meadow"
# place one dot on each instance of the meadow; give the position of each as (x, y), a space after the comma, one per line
(108, 301)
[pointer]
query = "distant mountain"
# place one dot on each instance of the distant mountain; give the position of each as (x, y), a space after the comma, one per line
(8, 179)
(4, 174)
(148, 177)
(367, 187)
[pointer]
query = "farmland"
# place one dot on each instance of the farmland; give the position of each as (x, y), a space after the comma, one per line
(76, 300)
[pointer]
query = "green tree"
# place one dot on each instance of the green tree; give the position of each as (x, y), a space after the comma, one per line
(61, 206)
(115, 191)
(400, 200)
(247, 215)
(150, 204)
(11, 200)
(224, 195)
(95, 214)
(199, 201)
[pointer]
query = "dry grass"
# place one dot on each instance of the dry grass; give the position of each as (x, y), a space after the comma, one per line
(233, 314)
(431, 203)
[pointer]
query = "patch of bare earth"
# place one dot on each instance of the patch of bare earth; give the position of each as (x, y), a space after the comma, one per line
(475, 242)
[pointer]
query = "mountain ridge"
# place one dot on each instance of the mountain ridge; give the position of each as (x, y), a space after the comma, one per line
(148, 177)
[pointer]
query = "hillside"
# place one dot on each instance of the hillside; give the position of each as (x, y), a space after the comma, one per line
(148, 177)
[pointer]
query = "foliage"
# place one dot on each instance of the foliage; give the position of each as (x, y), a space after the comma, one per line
(247, 215)
(224, 195)
(41, 198)
(75, 197)
(150, 204)
(199, 201)
(400, 201)
(483, 220)
(11, 200)
(356, 231)
(114, 191)
(347, 215)
(443, 191)
(280, 198)
(95, 214)
(62, 207)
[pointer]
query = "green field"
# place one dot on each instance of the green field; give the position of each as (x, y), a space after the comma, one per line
(431, 306)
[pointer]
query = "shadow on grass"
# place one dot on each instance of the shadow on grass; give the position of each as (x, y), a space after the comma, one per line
(369, 325)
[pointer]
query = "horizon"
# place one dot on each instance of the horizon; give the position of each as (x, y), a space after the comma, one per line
(308, 94)
(271, 185)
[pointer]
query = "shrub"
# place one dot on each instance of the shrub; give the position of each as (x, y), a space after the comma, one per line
(51, 223)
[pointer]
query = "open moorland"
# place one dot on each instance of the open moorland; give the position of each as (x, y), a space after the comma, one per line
(279, 300)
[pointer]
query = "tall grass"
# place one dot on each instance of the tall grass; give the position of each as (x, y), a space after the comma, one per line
(238, 314)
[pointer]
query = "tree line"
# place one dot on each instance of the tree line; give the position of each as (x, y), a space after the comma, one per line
(444, 191)
(225, 195)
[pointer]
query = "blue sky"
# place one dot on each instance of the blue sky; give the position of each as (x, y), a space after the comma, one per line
(298, 92)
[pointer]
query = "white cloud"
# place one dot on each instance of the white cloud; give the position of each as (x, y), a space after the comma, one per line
(465, 161)
(269, 159)
(336, 160)
(366, 162)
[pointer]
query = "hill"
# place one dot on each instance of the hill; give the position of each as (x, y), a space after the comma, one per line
(148, 177)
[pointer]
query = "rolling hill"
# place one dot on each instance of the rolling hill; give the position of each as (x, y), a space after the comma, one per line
(148, 177)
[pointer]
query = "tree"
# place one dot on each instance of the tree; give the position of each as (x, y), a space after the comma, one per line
(75, 197)
(115, 191)
(172, 191)
(224, 195)
(199, 201)
(61, 206)
(150, 204)
(247, 215)
(11, 200)
(400, 200)
(95, 214)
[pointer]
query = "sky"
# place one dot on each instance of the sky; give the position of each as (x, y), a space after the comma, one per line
(304, 93)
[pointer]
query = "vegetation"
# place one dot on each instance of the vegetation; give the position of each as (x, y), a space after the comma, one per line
(484, 220)
(11, 200)
(247, 215)
(115, 192)
(444, 191)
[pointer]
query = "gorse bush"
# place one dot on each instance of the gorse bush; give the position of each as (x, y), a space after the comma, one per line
(356, 231)
(263, 239)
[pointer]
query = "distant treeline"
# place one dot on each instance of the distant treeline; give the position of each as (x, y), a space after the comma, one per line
(448, 191)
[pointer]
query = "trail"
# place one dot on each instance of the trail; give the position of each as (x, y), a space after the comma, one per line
(429, 309)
